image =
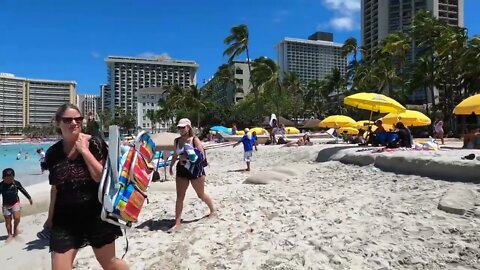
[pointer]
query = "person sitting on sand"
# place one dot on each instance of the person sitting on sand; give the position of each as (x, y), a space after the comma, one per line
(372, 136)
(273, 139)
(404, 136)
(471, 140)
(304, 140)
(11, 207)
(248, 143)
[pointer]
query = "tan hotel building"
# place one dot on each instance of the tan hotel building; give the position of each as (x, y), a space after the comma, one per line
(32, 102)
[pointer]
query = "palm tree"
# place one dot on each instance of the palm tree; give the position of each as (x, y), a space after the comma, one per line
(366, 79)
(385, 71)
(105, 118)
(335, 85)
(238, 42)
(266, 77)
(151, 115)
(350, 47)
(470, 62)
(166, 113)
(196, 101)
(423, 75)
(397, 45)
(293, 86)
(313, 99)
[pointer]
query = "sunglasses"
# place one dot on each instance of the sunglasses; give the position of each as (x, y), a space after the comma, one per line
(181, 127)
(69, 120)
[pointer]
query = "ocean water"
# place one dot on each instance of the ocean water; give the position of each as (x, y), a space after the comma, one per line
(26, 170)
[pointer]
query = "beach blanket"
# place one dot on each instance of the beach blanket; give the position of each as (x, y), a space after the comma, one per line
(125, 180)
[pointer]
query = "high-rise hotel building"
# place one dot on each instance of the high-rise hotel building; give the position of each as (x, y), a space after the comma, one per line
(126, 75)
(32, 102)
(311, 59)
(381, 17)
(89, 105)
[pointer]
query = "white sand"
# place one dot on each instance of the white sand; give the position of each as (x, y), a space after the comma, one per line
(316, 216)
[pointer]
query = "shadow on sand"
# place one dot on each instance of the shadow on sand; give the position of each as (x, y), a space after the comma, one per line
(37, 244)
(163, 224)
(239, 170)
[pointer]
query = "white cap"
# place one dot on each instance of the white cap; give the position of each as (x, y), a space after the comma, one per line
(246, 130)
(184, 122)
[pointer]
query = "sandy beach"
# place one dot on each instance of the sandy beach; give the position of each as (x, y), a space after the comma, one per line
(310, 215)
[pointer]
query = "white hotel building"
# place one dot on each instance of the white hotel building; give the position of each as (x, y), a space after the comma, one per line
(89, 105)
(147, 99)
(32, 102)
(311, 59)
(126, 75)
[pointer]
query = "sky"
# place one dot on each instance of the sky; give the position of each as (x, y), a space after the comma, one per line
(70, 39)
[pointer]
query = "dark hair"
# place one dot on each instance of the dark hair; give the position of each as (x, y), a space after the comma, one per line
(61, 110)
(8, 172)
(400, 125)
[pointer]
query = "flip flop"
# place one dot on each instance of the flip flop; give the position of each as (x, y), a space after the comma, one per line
(44, 234)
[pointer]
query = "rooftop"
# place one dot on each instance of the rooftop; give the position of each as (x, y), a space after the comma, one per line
(312, 42)
(159, 60)
(12, 76)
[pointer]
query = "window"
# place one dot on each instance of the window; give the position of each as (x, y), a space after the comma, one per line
(238, 71)
(144, 104)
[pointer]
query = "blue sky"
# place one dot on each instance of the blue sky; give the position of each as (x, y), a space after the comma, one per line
(69, 40)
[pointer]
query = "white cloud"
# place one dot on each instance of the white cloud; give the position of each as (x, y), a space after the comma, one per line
(345, 15)
(344, 6)
(342, 23)
(95, 55)
(152, 55)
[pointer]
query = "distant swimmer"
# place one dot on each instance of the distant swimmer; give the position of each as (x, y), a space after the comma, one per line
(19, 155)
(27, 155)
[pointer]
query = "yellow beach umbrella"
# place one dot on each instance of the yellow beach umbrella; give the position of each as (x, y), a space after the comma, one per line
(374, 102)
(258, 130)
(349, 130)
(363, 124)
(336, 121)
(387, 127)
(292, 130)
(468, 106)
(408, 118)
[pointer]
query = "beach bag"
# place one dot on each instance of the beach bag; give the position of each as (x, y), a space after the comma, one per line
(125, 180)
(195, 168)
(204, 159)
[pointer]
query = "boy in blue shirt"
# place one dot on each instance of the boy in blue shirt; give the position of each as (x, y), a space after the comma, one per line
(249, 142)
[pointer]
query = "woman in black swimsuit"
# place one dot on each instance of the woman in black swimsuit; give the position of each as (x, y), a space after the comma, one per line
(75, 164)
(184, 176)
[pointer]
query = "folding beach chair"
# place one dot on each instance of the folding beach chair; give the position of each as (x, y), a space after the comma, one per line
(125, 180)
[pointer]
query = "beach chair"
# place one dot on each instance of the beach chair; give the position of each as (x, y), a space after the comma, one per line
(125, 179)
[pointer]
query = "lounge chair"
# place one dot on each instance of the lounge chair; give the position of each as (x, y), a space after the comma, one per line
(122, 188)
